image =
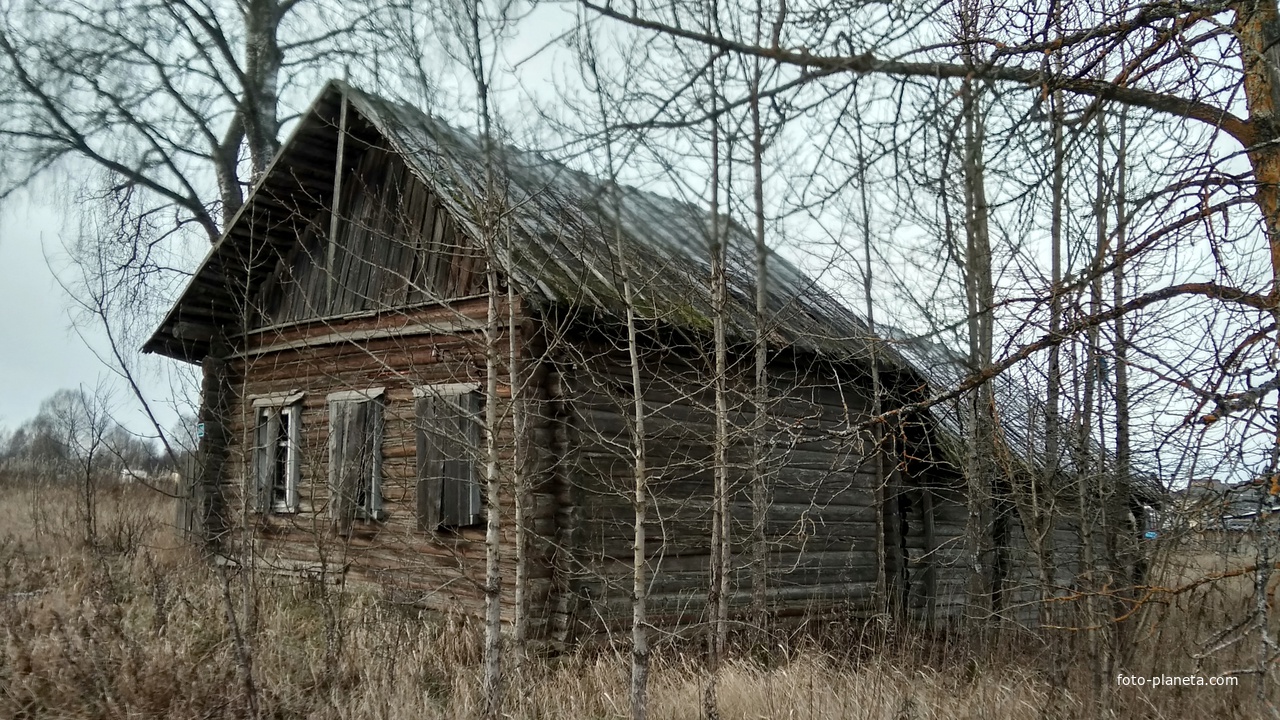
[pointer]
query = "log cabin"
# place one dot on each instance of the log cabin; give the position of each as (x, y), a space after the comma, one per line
(386, 267)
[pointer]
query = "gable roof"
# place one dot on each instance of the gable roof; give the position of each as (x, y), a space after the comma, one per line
(569, 229)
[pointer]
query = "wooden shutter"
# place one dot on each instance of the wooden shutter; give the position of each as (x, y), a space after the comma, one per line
(370, 477)
(430, 461)
(459, 489)
(292, 495)
(355, 461)
(462, 469)
(448, 452)
(266, 433)
(341, 497)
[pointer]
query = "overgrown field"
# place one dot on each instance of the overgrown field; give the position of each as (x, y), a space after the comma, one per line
(138, 626)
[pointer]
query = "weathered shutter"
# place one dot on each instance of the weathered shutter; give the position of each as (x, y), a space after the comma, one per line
(448, 439)
(460, 447)
(341, 498)
(265, 435)
(355, 460)
(473, 450)
(430, 461)
(371, 452)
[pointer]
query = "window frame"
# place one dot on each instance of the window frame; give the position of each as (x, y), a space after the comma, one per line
(279, 405)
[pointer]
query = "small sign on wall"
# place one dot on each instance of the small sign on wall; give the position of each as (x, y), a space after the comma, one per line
(199, 430)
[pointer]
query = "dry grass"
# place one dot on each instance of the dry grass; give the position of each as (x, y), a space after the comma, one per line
(138, 628)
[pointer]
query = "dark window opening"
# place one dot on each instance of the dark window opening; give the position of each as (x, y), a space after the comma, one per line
(276, 459)
(280, 479)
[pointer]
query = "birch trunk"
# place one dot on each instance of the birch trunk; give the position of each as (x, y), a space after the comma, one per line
(639, 689)
(493, 512)
(760, 399)
(519, 480)
(718, 578)
(640, 499)
(488, 213)
(979, 296)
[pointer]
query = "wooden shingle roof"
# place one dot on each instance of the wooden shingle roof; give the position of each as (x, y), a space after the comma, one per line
(574, 238)
(568, 230)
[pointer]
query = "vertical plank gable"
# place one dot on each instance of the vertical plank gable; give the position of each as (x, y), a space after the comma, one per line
(393, 245)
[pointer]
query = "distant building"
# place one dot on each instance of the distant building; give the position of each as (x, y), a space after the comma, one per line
(1208, 505)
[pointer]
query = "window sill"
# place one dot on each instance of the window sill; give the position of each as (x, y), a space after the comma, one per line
(372, 516)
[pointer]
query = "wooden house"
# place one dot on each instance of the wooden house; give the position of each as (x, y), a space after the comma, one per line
(346, 327)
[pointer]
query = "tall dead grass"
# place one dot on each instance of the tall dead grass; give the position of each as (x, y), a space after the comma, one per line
(138, 627)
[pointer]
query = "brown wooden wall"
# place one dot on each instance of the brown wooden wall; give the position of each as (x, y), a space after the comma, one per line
(820, 522)
(393, 246)
(390, 296)
(379, 285)
(442, 570)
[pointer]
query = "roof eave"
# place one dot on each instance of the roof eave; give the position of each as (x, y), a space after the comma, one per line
(167, 335)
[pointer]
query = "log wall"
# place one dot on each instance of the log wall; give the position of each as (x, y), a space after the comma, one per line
(400, 285)
(821, 518)
(441, 570)
(822, 475)
(821, 521)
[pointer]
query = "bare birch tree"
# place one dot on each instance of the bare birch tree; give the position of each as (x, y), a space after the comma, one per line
(606, 107)
(487, 213)
(168, 97)
(759, 471)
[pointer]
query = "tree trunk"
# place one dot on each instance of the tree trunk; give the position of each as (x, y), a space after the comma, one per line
(639, 689)
(1120, 350)
(493, 508)
(1257, 27)
(263, 59)
(979, 296)
(718, 577)
(640, 500)
(891, 566)
(760, 398)
(488, 214)
(519, 480)
(1102, 490)
(1053, 401)
(205, 487)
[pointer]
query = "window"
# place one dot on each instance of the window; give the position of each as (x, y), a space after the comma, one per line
(355, 457)
(448, 435)
(277, 457)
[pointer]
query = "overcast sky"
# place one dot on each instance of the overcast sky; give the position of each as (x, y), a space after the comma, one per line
(40, 351)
